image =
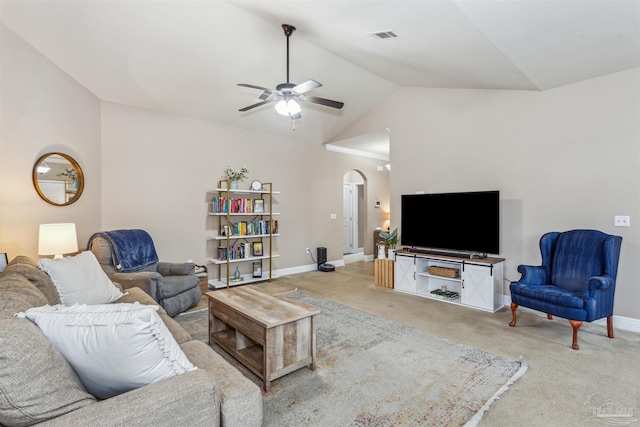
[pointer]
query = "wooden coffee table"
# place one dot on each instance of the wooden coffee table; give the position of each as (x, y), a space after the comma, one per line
(270, 335)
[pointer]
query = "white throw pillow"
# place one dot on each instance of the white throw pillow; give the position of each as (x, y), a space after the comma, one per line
(80, 280)
(113, 348)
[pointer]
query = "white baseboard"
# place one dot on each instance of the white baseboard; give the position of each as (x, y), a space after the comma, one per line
(295, 270)
(622, 322)
(304, 268)
(619, 322)
(337, 263)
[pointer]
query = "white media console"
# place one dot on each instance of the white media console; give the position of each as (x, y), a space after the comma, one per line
(475, 282)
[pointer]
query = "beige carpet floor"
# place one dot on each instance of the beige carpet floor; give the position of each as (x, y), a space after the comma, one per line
(559, 380)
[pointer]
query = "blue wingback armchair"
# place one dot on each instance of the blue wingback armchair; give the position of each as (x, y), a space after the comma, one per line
(576, 281)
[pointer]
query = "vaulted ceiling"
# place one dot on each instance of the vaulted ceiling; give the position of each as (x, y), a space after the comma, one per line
(186, 57)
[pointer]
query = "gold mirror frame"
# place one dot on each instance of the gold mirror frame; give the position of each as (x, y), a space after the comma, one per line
(71, 194)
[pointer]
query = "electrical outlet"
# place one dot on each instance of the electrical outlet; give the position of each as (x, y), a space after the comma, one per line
(621, 221)
(308, 250)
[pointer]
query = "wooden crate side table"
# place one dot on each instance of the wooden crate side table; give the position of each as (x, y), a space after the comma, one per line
(383, 273)
(204, 284)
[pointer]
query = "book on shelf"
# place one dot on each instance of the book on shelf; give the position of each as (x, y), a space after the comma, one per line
(445, 294)
(238, 251)
(258, 205)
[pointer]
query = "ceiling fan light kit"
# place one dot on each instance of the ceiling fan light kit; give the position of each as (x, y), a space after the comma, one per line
(288, 108)
(287, 94)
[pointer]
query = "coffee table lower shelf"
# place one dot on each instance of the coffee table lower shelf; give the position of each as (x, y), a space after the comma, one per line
(250, 356)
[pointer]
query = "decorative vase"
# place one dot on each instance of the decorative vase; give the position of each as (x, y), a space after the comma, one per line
(381, 254)
(74, 185)
(233, 185)
(236, 275)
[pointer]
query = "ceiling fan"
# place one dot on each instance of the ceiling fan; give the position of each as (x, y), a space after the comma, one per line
(288, 93)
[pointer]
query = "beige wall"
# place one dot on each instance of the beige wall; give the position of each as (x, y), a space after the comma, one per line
(563, 159)
(152, 170)
(157, 169)
(43, 110)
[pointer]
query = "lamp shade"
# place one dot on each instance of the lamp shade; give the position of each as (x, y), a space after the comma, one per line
(57, 239)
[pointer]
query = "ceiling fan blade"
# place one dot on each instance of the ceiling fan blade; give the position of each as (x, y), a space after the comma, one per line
(254, 87)
(256, 105)
(306, 86)
(325, 102)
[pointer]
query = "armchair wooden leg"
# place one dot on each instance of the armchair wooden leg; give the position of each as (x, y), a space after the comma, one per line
(514, 307)
(610, 326)
(575, 324)
(549, 316)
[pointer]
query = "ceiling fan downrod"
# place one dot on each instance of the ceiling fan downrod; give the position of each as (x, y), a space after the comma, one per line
(288, 30)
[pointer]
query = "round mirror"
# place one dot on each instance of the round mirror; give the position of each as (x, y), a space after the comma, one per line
(58, 179)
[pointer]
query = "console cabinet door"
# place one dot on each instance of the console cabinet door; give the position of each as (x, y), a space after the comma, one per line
(405, 273)
(478, 287)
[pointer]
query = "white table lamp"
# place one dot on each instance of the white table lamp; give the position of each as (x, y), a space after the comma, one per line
(57, 239)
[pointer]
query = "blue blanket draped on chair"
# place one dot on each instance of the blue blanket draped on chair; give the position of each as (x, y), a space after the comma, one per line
(132, 249)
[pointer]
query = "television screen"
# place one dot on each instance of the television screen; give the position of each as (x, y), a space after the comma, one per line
(467, 222)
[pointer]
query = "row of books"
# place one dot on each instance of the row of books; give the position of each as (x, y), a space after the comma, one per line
(224, 205)
(251, 228)
(240, 251)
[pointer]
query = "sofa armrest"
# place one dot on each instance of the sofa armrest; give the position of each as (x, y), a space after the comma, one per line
(148, 281)
(190, 399)
(176, 269)
(533, 275)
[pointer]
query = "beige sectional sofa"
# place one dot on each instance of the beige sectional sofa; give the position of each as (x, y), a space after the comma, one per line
(38, 386)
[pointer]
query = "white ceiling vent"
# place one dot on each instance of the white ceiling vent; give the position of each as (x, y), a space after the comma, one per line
(383, 35)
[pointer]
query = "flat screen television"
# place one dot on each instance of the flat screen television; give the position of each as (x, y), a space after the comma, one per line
(465, 222)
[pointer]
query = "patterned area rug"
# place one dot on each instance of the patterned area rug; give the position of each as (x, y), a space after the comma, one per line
(375, 372)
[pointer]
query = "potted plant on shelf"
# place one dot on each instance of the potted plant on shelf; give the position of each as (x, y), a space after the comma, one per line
(391, 240)
(72, 174)
(235, 176)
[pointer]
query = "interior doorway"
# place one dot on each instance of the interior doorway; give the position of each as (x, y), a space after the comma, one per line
(353, 213)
